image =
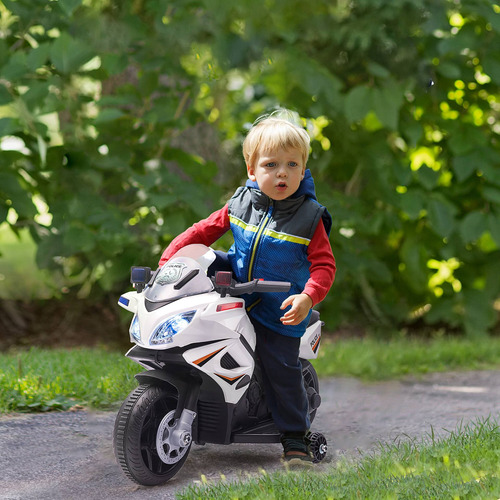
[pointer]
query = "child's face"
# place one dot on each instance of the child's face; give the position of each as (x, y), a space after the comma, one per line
(278, 173)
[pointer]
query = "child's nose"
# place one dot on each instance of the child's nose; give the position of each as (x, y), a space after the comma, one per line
(282, 172)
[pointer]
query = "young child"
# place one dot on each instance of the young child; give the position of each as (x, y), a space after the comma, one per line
(280, 234)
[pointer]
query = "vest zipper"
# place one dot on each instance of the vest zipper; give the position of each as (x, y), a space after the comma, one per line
(263, 226)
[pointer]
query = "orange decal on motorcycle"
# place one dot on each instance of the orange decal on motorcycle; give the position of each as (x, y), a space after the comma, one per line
(230, 380)
(316, 345)
(201, 361)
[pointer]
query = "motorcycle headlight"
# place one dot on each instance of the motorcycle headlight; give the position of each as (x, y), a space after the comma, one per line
(164, 333)
(135, 330)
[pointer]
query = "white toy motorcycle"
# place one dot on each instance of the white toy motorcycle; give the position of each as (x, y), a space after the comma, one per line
(202, 382)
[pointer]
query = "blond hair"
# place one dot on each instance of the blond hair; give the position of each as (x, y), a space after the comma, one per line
(278, 130)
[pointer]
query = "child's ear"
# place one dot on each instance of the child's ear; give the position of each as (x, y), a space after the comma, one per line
(251, 172)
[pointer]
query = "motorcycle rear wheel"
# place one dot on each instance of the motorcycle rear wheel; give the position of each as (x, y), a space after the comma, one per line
(135, 431)
(311, 382)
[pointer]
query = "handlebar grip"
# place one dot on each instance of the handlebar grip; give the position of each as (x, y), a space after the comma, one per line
(273, 286)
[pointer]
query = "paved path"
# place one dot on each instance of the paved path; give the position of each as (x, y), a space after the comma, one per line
(69, 455)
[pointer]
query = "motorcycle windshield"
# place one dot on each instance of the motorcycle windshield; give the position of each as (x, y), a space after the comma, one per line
(183, 275)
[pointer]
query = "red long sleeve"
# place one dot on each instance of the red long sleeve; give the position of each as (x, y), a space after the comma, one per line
(323, 267)
(205, 232)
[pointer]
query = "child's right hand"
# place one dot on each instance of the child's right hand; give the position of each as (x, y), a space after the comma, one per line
(301, 305)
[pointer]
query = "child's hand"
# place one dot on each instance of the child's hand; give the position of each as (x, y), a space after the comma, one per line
(301, 304)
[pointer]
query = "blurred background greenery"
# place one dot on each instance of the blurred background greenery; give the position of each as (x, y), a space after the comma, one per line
(121, 124)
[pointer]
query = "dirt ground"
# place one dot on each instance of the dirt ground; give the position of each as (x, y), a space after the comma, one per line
(57, 456)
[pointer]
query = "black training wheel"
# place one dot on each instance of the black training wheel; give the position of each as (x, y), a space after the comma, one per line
(318, 446)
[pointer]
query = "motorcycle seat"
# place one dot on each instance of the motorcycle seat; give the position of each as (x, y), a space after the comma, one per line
(314, 318)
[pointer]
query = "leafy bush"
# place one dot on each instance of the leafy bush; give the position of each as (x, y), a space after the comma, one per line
(122, 123)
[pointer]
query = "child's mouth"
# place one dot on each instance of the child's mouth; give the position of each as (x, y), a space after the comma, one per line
(281, 186)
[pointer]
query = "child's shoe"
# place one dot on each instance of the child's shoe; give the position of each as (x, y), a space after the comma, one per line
(295, 449)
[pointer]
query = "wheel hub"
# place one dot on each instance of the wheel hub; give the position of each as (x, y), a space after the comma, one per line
(318, 446)
(174, 436)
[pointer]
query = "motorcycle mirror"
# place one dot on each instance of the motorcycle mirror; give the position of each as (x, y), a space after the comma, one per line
(223, 278)
(139, 276)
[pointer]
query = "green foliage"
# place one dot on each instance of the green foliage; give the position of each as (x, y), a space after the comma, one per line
(18, 252)
(95, 173)
(463, 464)
(128, 118)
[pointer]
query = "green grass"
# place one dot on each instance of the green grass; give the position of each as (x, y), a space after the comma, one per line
(43, 380)
(463, 465)
(373, 359)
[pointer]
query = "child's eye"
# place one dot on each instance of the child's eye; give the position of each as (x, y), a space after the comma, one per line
(293, 164)
(271, 164)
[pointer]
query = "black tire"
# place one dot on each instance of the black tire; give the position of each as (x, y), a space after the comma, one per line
(317, 446)
(311, 384)
(134, 437)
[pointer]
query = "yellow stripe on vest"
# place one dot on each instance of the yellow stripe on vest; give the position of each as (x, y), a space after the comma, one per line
(287, 237)
(242, 224)
(269, 232)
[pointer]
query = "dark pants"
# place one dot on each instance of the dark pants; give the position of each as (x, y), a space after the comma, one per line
(282, 378)
(281, 370)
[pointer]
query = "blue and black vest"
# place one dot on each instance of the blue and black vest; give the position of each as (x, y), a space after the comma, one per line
(270, 242)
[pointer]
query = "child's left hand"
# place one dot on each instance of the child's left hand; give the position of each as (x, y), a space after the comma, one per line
(301, 304)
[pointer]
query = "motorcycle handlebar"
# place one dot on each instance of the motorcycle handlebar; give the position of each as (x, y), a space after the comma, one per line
(259, 286)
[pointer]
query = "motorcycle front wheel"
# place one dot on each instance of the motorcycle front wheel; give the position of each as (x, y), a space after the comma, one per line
(135, 436)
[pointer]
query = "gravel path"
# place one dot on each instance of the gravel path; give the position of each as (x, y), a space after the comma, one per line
(69, 455)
